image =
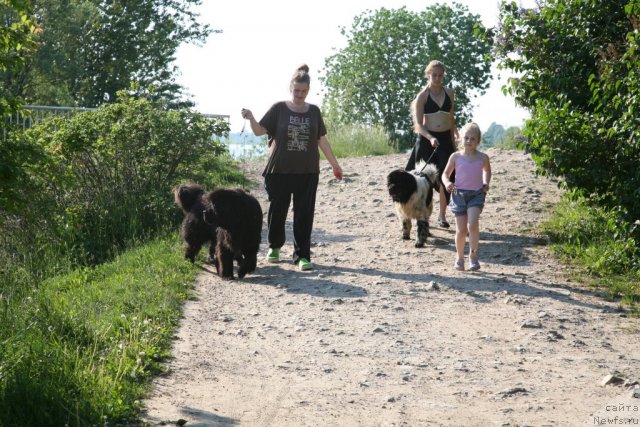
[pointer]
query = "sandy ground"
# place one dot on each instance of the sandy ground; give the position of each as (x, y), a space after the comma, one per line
(385, 334)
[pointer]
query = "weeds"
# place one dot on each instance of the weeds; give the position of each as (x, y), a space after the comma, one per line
(359, 141)
(85, 345)
(601, 243)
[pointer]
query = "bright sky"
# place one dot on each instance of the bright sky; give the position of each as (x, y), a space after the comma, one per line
(250, 63)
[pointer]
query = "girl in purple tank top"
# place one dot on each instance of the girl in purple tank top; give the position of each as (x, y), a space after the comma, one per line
(473, 175)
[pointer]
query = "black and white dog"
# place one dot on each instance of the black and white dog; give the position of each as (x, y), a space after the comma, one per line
(412, 193)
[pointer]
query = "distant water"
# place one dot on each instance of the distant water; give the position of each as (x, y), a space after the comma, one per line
(239, 151)
(246, 146)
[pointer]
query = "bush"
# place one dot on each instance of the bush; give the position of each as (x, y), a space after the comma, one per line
(108, 175)
(583, 90)
(601, 241)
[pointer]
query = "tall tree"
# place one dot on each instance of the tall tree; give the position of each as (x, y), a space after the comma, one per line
(375, 77)
(91, 49)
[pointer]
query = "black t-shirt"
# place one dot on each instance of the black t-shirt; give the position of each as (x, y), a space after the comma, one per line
(295, 136)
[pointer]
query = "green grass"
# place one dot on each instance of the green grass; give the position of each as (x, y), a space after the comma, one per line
(345, 141)
(601, 245)
(85, 345)
(359, 141)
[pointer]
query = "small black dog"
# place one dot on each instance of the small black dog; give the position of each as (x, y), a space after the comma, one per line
(229, 219)
(412, 193)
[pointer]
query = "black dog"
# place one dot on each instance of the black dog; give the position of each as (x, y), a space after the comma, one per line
(229, 219)
(412, 193)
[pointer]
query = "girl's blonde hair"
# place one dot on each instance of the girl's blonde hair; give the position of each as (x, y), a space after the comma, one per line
(470, 127)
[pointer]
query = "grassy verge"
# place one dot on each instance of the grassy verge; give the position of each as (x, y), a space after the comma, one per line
(602, 245)
(85, 345)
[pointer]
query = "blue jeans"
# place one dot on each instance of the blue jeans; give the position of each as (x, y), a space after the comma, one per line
(461, 200)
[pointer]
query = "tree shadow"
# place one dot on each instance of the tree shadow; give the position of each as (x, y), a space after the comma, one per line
(511, 250)
(310, 283)
(477, 282)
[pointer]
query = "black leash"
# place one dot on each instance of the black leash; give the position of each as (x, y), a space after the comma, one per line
(430, 157)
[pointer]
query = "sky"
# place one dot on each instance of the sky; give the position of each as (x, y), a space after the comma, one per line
(249, 64)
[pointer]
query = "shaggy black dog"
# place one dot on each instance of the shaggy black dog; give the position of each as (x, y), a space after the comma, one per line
(412, 193)
(229, 219)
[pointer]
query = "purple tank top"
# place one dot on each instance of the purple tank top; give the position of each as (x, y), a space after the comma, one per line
(469, 173)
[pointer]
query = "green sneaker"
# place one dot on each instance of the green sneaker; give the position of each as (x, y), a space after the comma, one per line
(273, 255)
(304, 264)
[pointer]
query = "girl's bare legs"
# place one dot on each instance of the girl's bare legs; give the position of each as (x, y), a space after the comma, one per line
(461, 236)
(473, 219)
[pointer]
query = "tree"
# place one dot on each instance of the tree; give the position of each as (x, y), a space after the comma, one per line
(578, 62)
(373, 80)
(91, 49)
(555, 49)
(16, 44)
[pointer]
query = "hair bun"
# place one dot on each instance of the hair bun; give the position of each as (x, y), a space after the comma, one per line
(304, 68)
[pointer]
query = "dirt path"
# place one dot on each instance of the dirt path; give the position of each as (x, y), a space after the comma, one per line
(385, 334)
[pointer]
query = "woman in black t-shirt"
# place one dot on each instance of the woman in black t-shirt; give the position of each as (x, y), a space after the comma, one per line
(296, 131)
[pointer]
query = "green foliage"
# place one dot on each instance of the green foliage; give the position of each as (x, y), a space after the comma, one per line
(109, 173)
(512, 139)
(81, 349)
(358, 141)
(17, 157)
(601, 241)
(90, 50)
(555, 49)
(373, 80)
(491, 135)
(578, 62)
(16, 42)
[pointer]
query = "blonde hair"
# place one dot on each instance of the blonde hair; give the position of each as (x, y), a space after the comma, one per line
(431, 65)
(470, 127)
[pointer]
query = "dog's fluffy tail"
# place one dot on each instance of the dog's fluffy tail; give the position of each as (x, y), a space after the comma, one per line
(187, 195)
(430, 171)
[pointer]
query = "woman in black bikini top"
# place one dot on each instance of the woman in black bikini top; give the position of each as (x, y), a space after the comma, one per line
(435, 128)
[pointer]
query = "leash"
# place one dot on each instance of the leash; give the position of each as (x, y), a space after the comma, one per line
(430, 157)
(243, 155)
(244, 125)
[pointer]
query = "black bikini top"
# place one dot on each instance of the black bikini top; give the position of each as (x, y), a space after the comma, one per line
(431, 107)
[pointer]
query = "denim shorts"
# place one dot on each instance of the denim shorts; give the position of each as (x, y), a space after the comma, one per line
(461, 200)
